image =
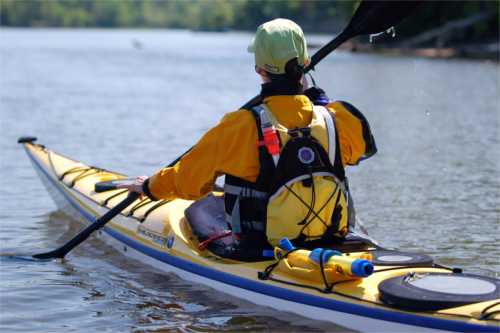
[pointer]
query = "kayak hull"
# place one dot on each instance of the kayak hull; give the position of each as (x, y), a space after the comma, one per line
(172, 255)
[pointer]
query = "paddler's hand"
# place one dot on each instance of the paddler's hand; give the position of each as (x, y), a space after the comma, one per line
(136, 186)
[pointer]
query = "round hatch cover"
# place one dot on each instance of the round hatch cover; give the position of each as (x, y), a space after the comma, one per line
(453, 284)
(397, 258)
(435, 291)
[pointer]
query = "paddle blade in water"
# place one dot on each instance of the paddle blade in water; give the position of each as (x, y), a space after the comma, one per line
(85, 233)
(22, 257)
(48, 255)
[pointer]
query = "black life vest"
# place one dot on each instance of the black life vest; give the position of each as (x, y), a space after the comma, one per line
(301, 191)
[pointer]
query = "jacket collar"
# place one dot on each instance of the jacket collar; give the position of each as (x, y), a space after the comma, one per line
(280, 87)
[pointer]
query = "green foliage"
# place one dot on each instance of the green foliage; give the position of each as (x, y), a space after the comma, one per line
(190, 14)
(436, 13)
(320, 15)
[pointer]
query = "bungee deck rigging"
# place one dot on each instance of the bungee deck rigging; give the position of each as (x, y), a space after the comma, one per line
(88, 171)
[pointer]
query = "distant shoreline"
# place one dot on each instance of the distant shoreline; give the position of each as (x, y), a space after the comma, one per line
(479, 51)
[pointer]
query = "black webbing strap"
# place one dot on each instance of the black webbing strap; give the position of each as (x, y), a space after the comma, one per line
(73, 170)
(86, 173)
(105, 202)
(328, 287)
(150, 210)
(485, 314)
(338, 168)
(140, 204)
(266, 161)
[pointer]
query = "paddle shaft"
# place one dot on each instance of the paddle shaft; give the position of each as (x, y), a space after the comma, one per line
(85, 233)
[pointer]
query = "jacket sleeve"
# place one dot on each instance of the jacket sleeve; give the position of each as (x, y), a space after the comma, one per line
(221, 150)
(355, 136)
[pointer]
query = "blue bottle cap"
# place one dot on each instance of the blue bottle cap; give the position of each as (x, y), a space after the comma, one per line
(361, 268)
(327, 254)
(286, 245)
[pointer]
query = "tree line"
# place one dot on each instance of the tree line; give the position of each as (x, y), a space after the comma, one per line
(220, 15)
(187, 14)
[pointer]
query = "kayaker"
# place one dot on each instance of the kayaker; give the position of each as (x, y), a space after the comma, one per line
(283, 160)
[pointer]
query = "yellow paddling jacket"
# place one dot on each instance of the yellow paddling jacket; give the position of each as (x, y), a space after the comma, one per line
(231, 148)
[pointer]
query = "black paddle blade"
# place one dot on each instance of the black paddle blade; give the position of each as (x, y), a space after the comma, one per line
(112, 184)
(45, 256)
(373, 17)
(85, 233)
(22, 257)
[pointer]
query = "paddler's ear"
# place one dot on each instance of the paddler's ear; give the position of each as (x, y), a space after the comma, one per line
(263, 74)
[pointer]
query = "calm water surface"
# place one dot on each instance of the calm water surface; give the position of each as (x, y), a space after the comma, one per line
(133, 100)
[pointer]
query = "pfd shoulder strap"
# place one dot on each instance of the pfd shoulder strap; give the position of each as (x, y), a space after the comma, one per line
(270, 138)
(322, 112)
(266, 161)
(334, 153)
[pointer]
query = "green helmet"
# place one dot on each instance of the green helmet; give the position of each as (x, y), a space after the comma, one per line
(276, 42)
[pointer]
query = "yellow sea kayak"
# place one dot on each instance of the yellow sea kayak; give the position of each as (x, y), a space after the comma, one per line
(395, 291)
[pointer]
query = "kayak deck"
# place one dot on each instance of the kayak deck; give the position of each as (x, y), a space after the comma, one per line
(159, 231)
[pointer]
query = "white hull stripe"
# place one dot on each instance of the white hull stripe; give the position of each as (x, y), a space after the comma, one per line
(273, 291)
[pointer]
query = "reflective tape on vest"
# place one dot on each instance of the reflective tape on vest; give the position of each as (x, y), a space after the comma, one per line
(244, 191)
(330, 126)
